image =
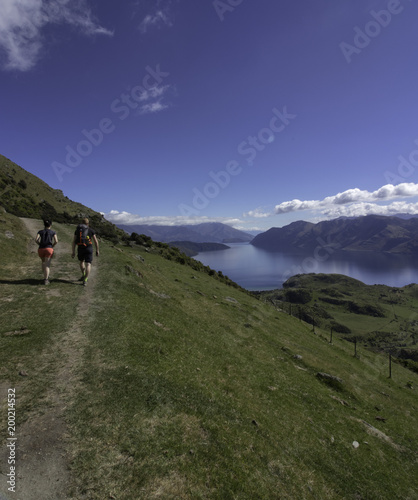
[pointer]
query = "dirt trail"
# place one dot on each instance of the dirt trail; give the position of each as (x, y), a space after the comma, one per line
(43, 458)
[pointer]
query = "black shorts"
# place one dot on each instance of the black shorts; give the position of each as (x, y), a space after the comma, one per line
(86, 254)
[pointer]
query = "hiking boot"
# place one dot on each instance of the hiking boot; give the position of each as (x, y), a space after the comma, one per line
(85, 281)
(46, 282)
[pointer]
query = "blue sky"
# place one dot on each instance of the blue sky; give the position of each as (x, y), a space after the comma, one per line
(252, 113)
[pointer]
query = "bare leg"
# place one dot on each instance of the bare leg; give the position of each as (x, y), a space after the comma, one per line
(46, 263)
(88, 268)
(83, 267)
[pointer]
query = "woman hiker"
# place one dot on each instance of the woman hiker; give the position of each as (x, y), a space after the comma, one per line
(46, 239)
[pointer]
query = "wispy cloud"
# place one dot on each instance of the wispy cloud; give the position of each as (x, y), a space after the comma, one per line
(153, 99)
(122, 217)
(153, 107)
(361, 201)
(155, 20)
(22, 27)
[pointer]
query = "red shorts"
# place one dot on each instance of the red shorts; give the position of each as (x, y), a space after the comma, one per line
(45, 252)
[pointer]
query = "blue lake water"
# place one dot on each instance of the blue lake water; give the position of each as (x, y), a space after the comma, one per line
(256, 269)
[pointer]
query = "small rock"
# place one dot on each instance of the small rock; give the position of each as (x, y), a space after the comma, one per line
(355, 444)
(9, 234)
(131, 270)
(254, 422)
(382, 419)
(297, 356)
(328, 377)
(22, 373)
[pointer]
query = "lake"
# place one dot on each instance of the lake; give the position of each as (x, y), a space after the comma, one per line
(256, 269)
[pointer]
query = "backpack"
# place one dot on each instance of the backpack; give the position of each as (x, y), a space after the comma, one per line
(82, 233)
(46, 238)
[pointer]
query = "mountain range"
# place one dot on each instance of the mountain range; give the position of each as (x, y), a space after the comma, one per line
(208, 232)
(371, 233)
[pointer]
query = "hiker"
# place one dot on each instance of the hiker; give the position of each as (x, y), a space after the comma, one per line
(46, 239)
(84, 237)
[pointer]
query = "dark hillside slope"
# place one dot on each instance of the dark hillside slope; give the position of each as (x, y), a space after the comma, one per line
(371, 233)
(25, 195)
(209, 232)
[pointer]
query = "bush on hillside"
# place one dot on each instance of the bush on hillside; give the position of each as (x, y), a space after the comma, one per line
(339, 328)
(298, 296)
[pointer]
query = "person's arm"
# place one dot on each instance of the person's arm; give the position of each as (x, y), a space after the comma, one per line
(96, 243)
(38, 238)
(54, 240)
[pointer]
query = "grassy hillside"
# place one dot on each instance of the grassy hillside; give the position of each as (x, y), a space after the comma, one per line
(25, 195)
(381, 317)
(173, 385)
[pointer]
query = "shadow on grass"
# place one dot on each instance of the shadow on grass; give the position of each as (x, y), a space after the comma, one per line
(35, 282)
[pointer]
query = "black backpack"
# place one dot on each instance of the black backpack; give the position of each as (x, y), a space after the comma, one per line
(82, 232)
(46, 238)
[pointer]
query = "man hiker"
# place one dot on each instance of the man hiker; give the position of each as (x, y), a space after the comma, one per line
(46, 239)
(84, 237)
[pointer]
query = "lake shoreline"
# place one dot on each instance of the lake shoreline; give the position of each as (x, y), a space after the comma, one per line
(256, 269)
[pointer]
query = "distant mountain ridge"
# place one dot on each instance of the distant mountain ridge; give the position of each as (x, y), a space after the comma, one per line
(207, 232)
(371, 233)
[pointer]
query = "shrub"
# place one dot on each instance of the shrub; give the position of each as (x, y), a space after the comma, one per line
(298, 296)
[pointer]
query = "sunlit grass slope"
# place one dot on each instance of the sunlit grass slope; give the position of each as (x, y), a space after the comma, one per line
(193, 389)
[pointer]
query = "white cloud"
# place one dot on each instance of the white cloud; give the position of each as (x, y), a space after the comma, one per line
(360, 200)
(154, 96)
(123, 217)
(360, 209)
(153, 107)
(22, 23)
(157, 19)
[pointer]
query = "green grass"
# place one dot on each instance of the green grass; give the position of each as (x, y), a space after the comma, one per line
(42, 313)
(190, 388)
(193, 396)
(381, 317)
